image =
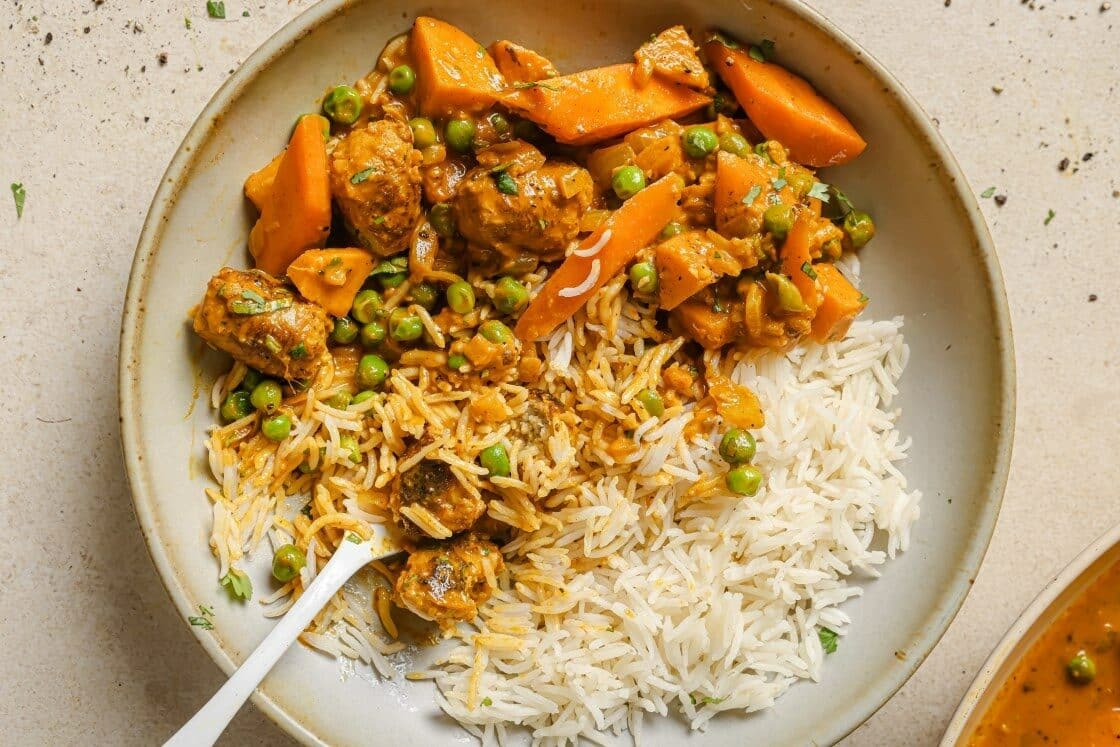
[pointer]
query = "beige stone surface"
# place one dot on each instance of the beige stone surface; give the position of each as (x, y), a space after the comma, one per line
(93, 650)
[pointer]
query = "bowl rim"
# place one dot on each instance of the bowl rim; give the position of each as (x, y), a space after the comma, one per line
(182, 162)
(1008, 647)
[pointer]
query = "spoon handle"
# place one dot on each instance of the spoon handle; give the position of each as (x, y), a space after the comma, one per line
(208, 724)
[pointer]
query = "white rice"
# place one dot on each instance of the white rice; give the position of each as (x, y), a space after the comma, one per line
(714, 606)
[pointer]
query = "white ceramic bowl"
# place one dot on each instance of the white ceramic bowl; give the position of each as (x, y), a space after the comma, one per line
(1036, 618)
(932, 262)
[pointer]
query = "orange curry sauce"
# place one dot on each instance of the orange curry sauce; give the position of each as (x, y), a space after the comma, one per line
(1040, 704)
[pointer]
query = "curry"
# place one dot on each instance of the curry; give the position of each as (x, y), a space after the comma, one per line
(1066, 688)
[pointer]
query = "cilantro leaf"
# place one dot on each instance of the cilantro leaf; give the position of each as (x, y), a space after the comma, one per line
(819, 190)
(763, 51)
(362, 175)
(200, 622)
(828, 639)
(298, 352)
(752, 195)
(505, 183)
(780, 182)
(215, 8)
(838, 207)
(988, 192)
(237, 584)
(19, 194)
(187, 22)
(808, 270)
(487, 701)
(1049, 217)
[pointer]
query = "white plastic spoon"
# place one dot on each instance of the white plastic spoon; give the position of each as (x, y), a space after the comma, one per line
(350, 557)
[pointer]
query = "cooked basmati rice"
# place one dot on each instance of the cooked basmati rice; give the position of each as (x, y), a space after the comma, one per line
(636, 582)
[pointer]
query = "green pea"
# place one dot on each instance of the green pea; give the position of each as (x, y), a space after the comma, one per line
(778, 220)
(737, 446)
(237, 405)
(423, 132)
(372, 371)
(734, 143)
(425, 295)
(457, 361)
(496, 460)
(401, 79)
(859, 227)
(628, 181)
(343, 105)
(495, 332)
(510, 295)
(652, 402)
(250, 380)
(643, 278)
(392, 280)
(340, 400)
(672, 229)
(523, 129)
(443, 222)
(699, 141)
(349, 444)
(365, 308)
(288, 561)
(744, 480)
(499, 123)
(404, 326)
(459, 134)
(266, 396)
(277, 427)
(344, 331)
(789, 297)
(363, 396)
(460, 297)
(1081, 669)
(373, 334)
(801, 181)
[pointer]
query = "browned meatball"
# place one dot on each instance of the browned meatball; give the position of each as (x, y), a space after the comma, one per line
(516, 200)
(375, 179)
(432, 486)
(446, 583)
(255, 318)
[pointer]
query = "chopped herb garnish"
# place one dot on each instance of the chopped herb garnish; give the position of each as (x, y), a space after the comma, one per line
(203, 618)
(237, 584)
(988, 192)
(335, 262)
(505, 183)
(362, 175)
(244, 14)
(718, 36)
(385, 267)
(251, 295)
(542, 223)
(763, 51)
(808, 270)
(1049, 217)
(864, 298)
(252, 303)
(487, 702)
(535, 84)
(828, 639)
(272, 345)
(839, 207)
(480, 52)
(187, 22)
(298, 352)
(379, 220)
(215, 8)
(780, 182)
(752, 195)
(19, 194)
(819, 190)
(351, 537)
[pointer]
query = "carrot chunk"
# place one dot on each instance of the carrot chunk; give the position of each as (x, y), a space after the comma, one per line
(784, 107)
(594, 105)
(259, 184)
(331, 277)
(454, 73)
(296, 207)
(631, 227)
(841, 303)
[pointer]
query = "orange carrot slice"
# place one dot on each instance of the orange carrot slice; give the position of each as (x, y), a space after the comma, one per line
(632, 226)
(331, 277)
(784, 107)
(841, 303)
(454, 73)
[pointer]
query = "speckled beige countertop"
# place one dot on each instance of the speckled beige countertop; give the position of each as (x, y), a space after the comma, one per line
(95, 97)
